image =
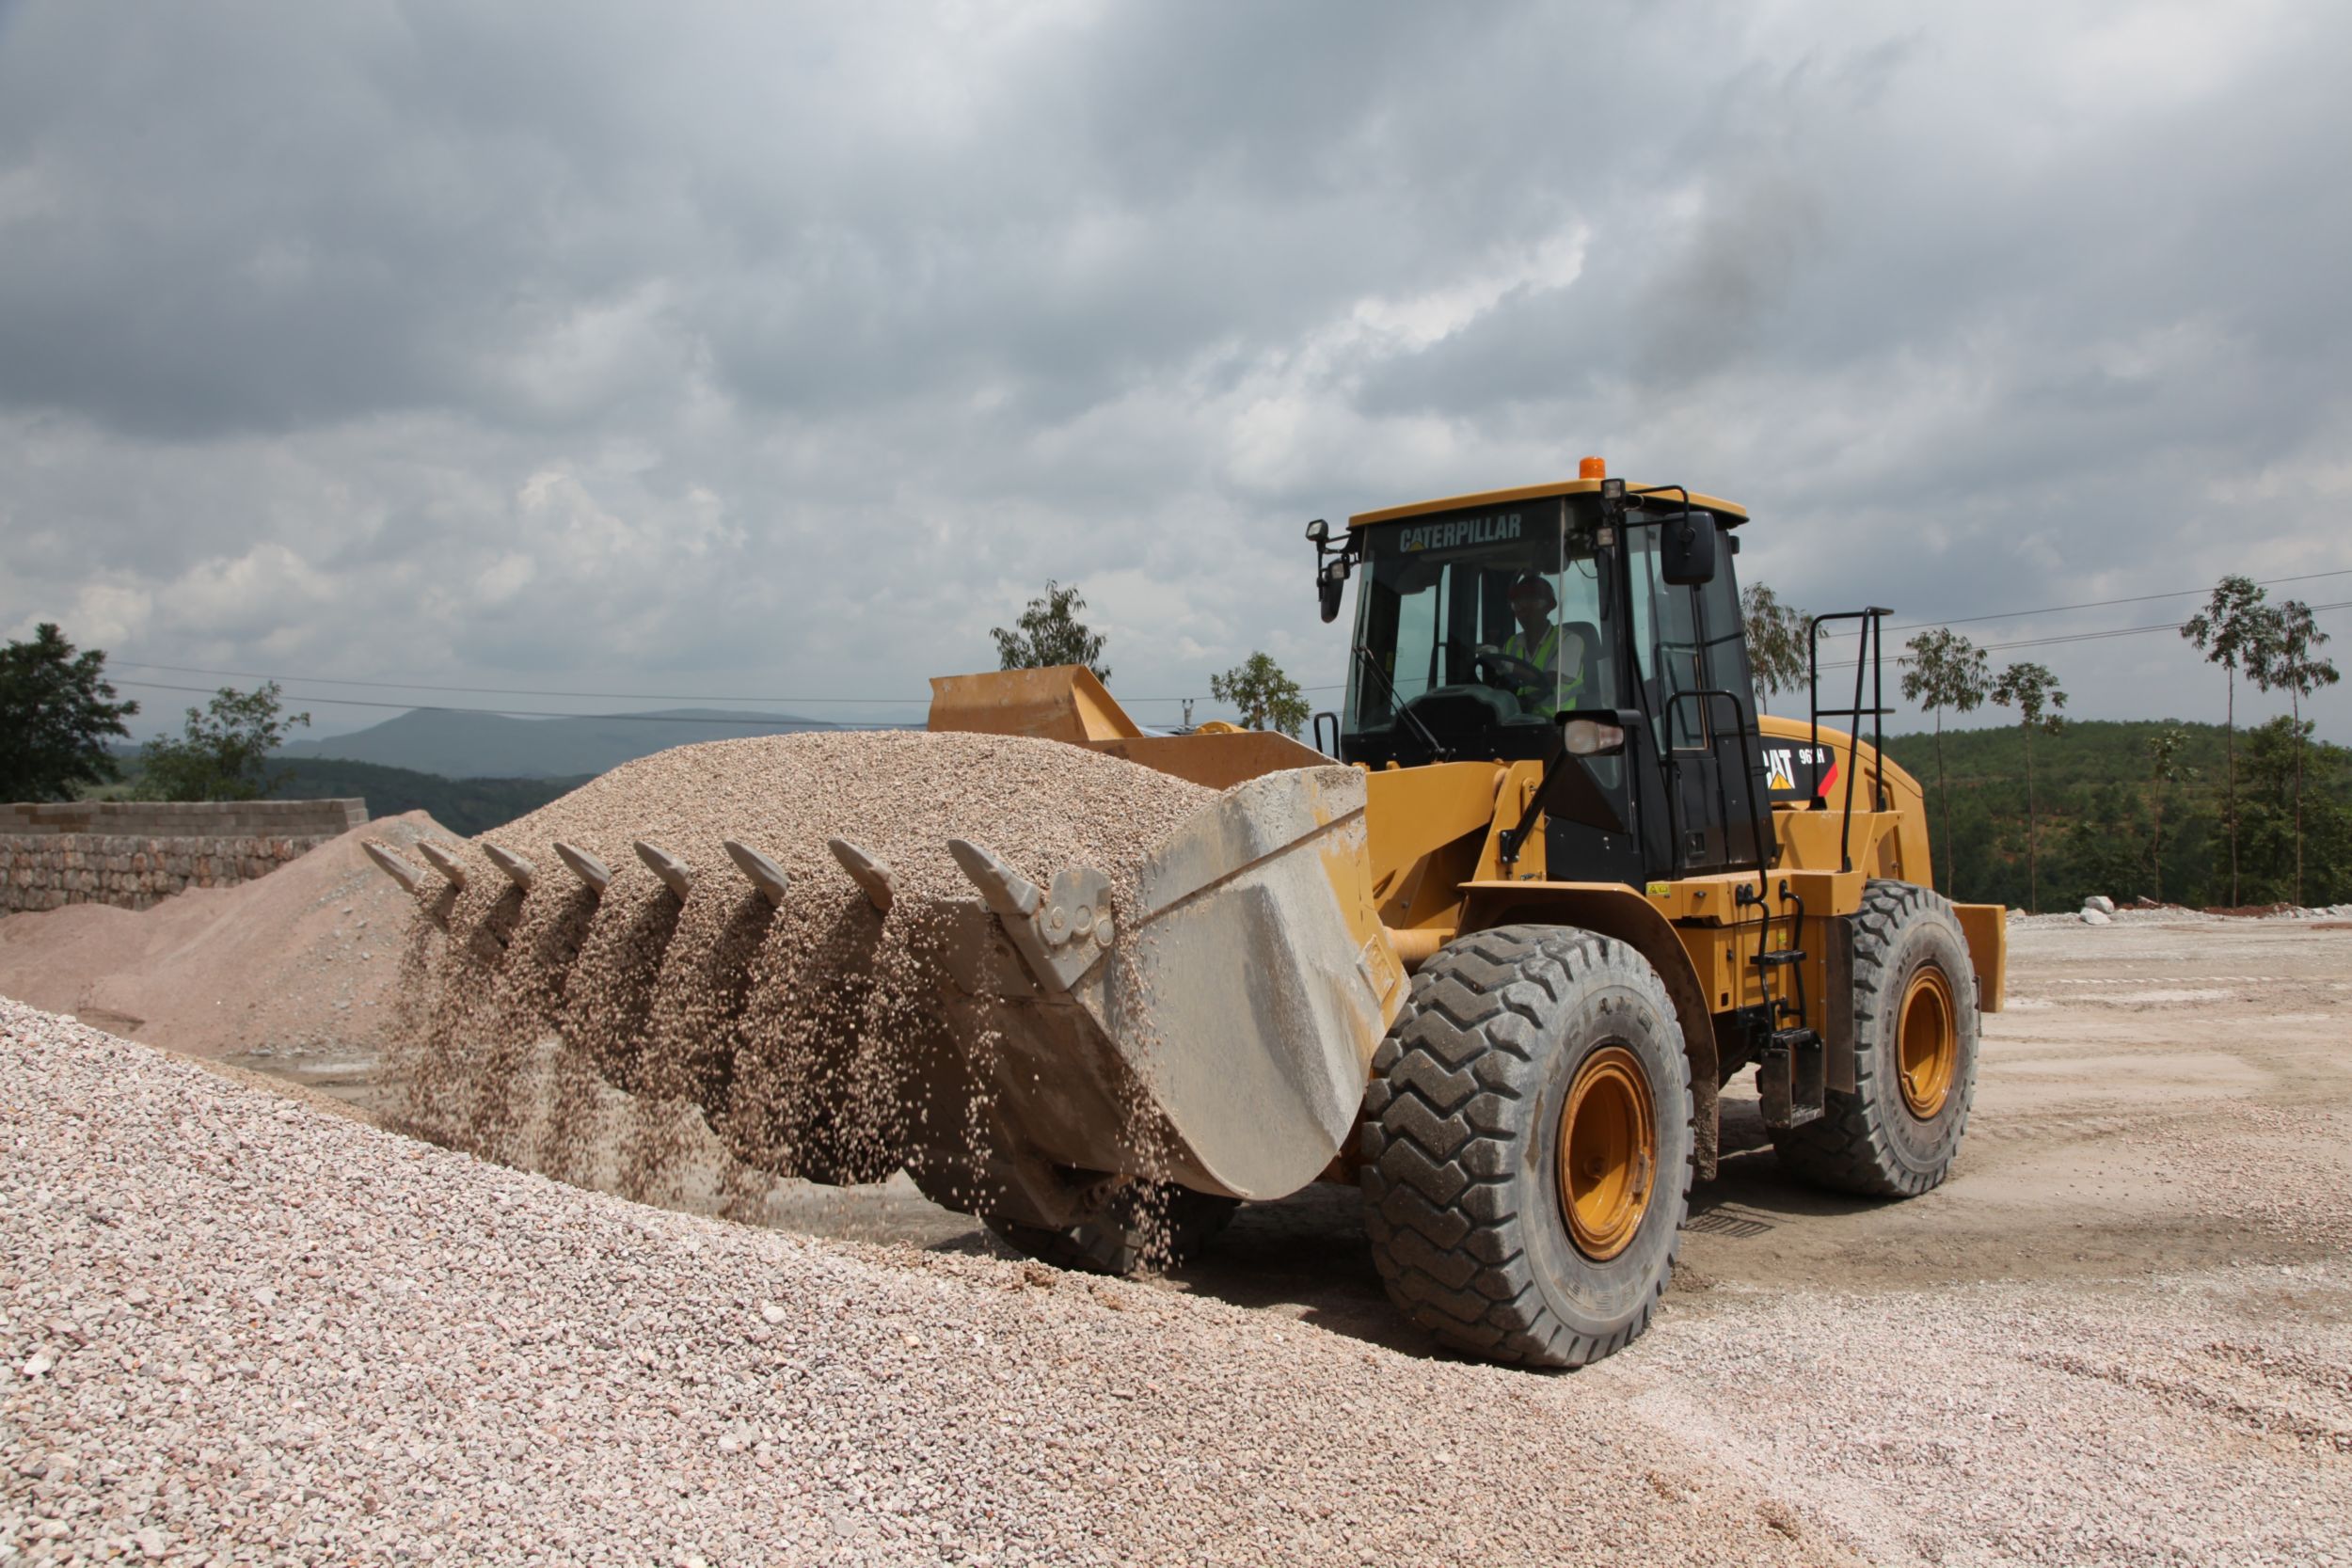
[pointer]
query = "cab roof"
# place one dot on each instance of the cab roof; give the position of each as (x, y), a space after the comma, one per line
(1732, 513)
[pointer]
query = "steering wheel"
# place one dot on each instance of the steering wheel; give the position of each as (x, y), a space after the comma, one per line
(1506, 672)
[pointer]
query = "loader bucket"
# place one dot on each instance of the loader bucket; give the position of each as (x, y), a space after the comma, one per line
(1219, 1036)
(843, 992)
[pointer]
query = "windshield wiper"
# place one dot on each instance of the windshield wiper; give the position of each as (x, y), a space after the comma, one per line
(1437, 752)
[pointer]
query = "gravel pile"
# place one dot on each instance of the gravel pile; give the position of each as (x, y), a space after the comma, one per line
(791, 1028)
(296, 963)
(237, 1330)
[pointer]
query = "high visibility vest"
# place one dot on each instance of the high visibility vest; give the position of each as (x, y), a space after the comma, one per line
(1543, 657)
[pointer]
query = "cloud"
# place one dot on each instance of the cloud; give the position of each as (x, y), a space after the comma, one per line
(784, 350)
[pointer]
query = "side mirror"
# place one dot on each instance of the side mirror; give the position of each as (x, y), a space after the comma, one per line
(1687, 549)
(1596, 732)
(1332, 564)
(1330, 588)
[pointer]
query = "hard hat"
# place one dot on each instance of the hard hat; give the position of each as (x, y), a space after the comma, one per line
(1534, 585)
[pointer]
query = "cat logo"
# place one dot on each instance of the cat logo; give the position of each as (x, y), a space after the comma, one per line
(1780, 765)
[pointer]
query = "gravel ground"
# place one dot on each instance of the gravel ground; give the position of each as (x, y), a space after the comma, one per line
(2185, 1421)
(2118, 1336)
(237, 1330)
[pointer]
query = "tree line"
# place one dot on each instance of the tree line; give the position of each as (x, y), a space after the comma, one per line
(2279, 840)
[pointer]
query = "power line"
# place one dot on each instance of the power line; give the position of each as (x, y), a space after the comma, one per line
(902, 702)
(525, 691)
(2089, 636)
(499, 712)
(2098, 603)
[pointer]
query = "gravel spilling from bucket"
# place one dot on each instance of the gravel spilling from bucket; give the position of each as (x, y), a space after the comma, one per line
(795, 1029)
(237, 1330)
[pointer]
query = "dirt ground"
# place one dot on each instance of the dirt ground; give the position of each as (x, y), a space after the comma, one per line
(2132, 1098)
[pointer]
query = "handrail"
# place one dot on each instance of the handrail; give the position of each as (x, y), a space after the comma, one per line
(1870, 661)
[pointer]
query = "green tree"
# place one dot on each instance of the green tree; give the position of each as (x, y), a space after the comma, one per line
(2236, 630)
(1268, 698)
(56, 710)
(2033, 692)
(1050, 633)
(2293, 665)
(223, 753)
(1778, 644)
(1944, 670)
(2164, 771)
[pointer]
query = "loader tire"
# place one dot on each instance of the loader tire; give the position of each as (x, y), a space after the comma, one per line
(1145, 1229)
(1914, 1054)
(1520, 1047)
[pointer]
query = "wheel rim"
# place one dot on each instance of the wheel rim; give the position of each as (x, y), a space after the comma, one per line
(1930, 1042)
(1608, 1158)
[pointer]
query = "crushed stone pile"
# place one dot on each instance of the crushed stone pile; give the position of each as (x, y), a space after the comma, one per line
(299, 961)
(796, 1028)
(237, 1330)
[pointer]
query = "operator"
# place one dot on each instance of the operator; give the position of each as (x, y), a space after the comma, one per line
(1549, 658)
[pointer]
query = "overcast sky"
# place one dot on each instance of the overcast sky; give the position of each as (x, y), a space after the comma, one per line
(764, 351)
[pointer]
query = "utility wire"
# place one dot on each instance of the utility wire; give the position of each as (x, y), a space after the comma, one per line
(501, 712)
(2085, 636)
(529, 691)
(902, 702)
(2094, 604)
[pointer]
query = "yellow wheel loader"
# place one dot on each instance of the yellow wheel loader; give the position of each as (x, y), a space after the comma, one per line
(1491, 952)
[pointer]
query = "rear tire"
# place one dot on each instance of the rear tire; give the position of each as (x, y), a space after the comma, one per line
(1520, 1046)
(1915, 1042)
(1146, 1227)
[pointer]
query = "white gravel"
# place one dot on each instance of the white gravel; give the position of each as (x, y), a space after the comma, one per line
(237, 1330)
(2181, 1422)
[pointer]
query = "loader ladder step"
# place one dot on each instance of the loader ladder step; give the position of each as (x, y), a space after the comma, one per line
(1792, 1077)
(1774, 960)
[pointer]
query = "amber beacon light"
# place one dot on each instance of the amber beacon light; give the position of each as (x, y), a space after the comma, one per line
(1591, 467)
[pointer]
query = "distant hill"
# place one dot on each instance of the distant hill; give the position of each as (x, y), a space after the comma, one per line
(466, 806)
(490, 746)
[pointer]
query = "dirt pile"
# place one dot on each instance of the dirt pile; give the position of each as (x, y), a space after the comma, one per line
(808, 1033)
(237, 1330)
(301, 959)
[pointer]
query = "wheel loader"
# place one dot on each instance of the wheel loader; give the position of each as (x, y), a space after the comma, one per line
(1489, 950)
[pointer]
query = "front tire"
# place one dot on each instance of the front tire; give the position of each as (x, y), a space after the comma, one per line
(1916, 1031)
(1529, 1146)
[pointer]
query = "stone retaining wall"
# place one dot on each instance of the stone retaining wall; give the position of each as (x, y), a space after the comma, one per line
(132, 853)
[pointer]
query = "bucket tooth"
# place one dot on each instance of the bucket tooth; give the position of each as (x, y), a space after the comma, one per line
(674, 873)
(518, 871)
(1005, 891)
(395, 866)
(765, 874)
(442, 860)
(869, 873)
(1060, 936)
(585, 866)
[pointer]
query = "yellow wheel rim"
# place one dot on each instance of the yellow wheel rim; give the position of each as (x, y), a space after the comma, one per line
(1608, 1159)
(1930, 1042)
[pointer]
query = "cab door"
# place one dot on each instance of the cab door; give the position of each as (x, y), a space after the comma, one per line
(1692, 645)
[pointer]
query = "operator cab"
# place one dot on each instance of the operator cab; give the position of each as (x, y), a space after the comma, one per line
(1485, 624)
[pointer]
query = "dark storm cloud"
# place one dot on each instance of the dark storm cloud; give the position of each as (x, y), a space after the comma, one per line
(791, 347)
